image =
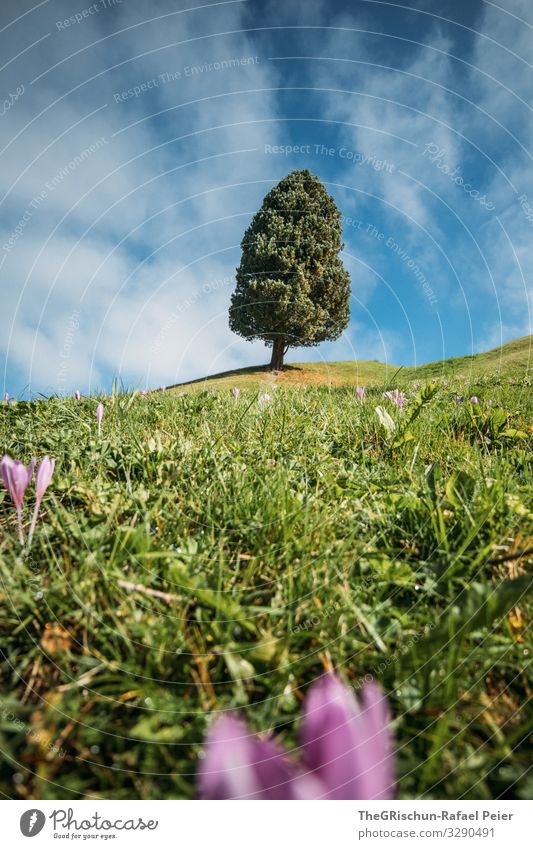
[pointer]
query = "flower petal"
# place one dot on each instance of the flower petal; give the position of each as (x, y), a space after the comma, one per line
(239, 765)
(347, 744)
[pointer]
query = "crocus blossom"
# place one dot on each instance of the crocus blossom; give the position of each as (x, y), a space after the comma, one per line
(16, 477)
(346, 741)
(239, 765)
(77, 395)
(474, 399)
(345, 752)
(360, 392)
(99, 416)
(6, 397)
(235, 392)
(397, 398)
(45, 470)
(265, 398)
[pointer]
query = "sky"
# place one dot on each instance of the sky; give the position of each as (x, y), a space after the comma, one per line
(138, 139)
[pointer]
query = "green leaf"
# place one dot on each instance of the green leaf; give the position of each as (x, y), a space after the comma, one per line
(478, 608)
(460, 488)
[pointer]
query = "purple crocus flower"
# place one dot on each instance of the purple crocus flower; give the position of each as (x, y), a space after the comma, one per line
(396, 397)
(360, 392)
(235, 392)
(6, 397)
(99, 416)
(346, 752)
(45, 470)
(264, 399)
(239, 765)
(399, 399)
(474, 399)
(77, 395)
(16, 477)
(346, 741)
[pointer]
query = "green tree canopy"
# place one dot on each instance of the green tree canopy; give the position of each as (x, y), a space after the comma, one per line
(292, 288)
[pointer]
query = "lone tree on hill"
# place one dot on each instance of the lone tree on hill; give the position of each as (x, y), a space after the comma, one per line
(292, 288)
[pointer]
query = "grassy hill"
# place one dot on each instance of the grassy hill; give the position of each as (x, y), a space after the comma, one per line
(208, 554)
(513, 359)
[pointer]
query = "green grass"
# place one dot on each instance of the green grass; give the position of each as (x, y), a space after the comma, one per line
(288, 538)
(514, 359)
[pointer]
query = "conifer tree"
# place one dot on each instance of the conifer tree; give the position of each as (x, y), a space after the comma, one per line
(292, 288)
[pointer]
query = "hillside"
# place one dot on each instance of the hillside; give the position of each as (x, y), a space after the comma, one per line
(206, 554)
(513, 359)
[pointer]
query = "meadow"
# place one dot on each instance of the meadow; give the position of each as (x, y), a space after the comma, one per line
(207, 552)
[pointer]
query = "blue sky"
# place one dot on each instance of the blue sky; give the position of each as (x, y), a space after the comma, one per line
(138, 139)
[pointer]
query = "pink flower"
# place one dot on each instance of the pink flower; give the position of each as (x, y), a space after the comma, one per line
(239, 765)
(43, 477)
(345, 752)
(235, 392)
(474, 399)
(6, 397)
(99, 416)
(264, 399)
(77, 395)
(396, 397)
(16, 477)
(360, 392)
(346, 741)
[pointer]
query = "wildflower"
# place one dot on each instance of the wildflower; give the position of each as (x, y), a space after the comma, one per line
(346, 741)
(238, 765)
(264, 399)
(6, 397)
(45, 470)
(346, 752)
(474, 399)
(77, 395)
(16, 477)
(235, 392)
(99, 416)
(399, 399)
(360, 392)
(396, 397)
(459, 399)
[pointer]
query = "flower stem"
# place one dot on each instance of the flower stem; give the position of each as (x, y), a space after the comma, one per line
(19, 525)
(34, 520)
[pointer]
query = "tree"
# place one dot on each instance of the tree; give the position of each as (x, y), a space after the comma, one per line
(292, 288)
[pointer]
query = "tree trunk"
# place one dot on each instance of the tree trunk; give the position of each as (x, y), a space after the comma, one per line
(278, 351)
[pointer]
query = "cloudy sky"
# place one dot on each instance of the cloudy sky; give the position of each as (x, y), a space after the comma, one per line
(138, 139)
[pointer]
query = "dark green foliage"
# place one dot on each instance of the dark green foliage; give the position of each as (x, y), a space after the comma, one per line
(292, 288)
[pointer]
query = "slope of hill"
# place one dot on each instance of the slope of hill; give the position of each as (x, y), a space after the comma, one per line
(513, 359)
